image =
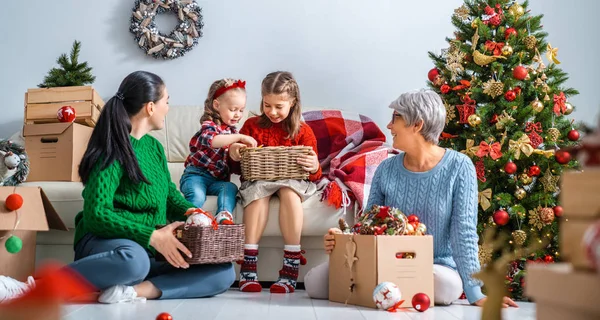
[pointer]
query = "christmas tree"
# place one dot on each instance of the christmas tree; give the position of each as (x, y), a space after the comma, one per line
(506, 110)
(71, 73)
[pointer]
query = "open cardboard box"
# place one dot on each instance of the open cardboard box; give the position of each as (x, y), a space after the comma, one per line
(36, 214)
(381, 259)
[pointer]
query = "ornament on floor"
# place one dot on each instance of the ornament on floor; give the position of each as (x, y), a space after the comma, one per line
(199, 218)
(421, 302)
(180, 41)
(510, 167)
(14, 163)
(520, 73)
(562, 156)
(13, 203)
(65, 114)
(164, 316)
(387, 296)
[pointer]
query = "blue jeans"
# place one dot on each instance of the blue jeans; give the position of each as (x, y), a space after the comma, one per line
(108, 262)
(196, 183)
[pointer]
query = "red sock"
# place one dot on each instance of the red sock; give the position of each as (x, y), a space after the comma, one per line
(248, 274)
(288, 275)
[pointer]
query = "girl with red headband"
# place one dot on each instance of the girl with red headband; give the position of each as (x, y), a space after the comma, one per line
(206, 169)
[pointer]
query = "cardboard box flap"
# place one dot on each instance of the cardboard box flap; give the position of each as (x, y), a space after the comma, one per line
(579, 193)
(46, 129)
(36, 214)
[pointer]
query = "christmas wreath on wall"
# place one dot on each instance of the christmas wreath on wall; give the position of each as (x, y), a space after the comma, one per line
(180, 41)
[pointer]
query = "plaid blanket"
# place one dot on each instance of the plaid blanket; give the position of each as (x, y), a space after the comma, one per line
(350, 146)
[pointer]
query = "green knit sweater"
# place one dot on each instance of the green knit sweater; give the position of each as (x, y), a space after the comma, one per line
(115, 207)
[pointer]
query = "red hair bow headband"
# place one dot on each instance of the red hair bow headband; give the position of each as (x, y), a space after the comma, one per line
(238, 84)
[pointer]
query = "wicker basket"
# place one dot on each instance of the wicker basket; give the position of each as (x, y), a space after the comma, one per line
(273, 163)
(211, 246)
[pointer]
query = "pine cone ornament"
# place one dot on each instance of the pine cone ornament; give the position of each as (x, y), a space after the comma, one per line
(367, 230)
(493, 88)
(553, 134)
(519, 236)
(530, 42)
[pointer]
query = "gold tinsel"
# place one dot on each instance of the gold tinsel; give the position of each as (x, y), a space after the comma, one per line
(549, 181)
(485, 255)
(519, 236)
(534, 218)
(553, 134)
(493, 88)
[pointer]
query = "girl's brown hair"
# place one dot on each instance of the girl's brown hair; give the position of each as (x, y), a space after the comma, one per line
(281, 82)
(210, 114)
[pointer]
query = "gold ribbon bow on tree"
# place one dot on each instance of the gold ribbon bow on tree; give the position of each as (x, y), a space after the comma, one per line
(521, 145)
(545, 153)
(551, 54)
(484, 198)
(493, 150)
(471, 149)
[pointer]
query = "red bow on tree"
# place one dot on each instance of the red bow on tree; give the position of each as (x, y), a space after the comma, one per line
(495, 47)
(559, 103)
(493, 150)
(463, 85)
(530, 126)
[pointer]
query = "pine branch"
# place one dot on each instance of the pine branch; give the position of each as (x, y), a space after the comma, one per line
(72, 72)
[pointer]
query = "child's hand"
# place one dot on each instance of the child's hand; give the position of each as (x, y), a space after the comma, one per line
(328, 241)
(234, 151)
(248, 141)
(309, 162)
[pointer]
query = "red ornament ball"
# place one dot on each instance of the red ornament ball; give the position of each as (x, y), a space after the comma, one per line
(164, 316)
(501, 217)
(510, 31)
(66, 114)
(432, 74)
(534, 171)
(573, 135)
(445, 88)
(421, 302)
(13, 202)
(558, 211)
(520, 73)
(562, 156)
(510, 95)
(510, 167)
(413, 218)
(517, 90)
(548, 259)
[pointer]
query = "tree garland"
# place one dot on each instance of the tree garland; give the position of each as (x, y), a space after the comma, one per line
(180, 41)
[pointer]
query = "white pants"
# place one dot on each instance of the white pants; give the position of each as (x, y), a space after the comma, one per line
(447, 285)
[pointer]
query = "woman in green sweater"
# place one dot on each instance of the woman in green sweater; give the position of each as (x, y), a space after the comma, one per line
(128, 192)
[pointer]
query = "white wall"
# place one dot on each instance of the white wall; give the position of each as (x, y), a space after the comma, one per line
(351, 54)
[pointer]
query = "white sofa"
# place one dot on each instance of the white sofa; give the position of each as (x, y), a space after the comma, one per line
(181, 123)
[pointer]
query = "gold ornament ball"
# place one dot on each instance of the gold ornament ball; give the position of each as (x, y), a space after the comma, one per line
(410, 230)
(474, 120)
(516, 10)
(537, 105)
(568, 108)
(421, 229)
(520, 193)
(525, 178)
(507, 50)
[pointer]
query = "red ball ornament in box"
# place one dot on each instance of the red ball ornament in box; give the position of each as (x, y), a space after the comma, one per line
(573, 135)
(432, 74)
(413, 218)
(534, 171)
(501, 217)
(510, 95)
(13, 202)
(520, 73)
(510, 31)
(558, 211)
(164, 316)
(421, 302)
(562, 156)
(445, 88)
(66, 114)
(510, 167)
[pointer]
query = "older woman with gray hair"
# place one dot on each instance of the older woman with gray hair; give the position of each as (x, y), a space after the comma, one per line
(439, 186)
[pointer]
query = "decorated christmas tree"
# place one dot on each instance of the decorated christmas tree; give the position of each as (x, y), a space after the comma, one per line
(71, 73)
(506, 109)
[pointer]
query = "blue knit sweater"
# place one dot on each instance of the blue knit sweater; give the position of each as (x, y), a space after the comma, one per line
(445, 200)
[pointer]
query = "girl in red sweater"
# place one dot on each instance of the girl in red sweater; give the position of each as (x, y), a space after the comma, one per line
(279, 124)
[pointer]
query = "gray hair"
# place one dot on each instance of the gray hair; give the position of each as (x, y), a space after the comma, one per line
(422, 105)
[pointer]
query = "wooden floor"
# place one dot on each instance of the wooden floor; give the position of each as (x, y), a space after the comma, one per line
(235, 305)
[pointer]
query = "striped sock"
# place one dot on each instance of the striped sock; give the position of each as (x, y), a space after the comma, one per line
(288, 275)
(248, 274)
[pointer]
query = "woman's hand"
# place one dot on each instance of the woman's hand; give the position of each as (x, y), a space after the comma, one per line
(248, 141)
(328, 239)
(309, 162)
(165, 242)
(505, 303)
(234, 151)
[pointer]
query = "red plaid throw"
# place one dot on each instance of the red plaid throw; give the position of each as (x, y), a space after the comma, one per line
(351, 146)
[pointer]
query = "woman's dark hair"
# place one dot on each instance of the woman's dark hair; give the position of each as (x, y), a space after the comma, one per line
(110, 139)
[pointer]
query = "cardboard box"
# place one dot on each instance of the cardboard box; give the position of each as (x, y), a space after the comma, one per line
(570, 240)
(580, 192)
(36, 214)
(380, 260)
(42, 104)
(55, 150)
(562, 293)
